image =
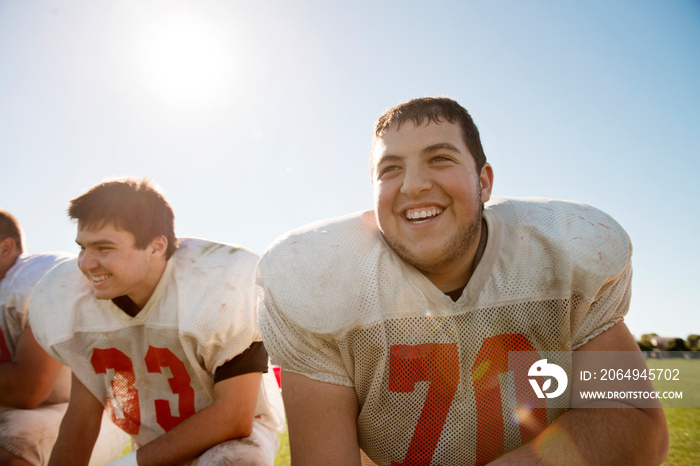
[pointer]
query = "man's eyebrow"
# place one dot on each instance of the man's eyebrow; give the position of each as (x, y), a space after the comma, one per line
(389, 158)
(96, 242)
(439, 146)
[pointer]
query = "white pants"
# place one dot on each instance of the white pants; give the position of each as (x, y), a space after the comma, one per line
(31, 433)
(259, 449)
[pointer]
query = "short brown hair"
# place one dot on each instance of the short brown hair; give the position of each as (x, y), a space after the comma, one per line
(435, 110)
(133, 205)
(10, 228)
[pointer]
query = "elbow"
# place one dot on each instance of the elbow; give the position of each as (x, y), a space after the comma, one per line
(28, 400)
(657, 439)
(32, 394)
(663, 444)
(241, 429)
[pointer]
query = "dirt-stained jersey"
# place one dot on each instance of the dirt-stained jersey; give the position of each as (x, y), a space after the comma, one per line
(432, 376)
(154, 370)
(15, 291)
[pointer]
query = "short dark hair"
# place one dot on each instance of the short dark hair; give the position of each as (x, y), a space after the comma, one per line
(10, 228)
(133, 205)
(435, 110)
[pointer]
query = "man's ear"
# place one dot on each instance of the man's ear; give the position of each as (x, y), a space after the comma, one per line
(159, 245)
(486, 179)
(8, 255)
(8, 247)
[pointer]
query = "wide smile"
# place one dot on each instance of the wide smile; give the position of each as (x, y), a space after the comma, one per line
(422, 214)
(98, 279)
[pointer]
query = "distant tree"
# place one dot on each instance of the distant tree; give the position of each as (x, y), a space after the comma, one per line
(645, 343)
(677, 344)
(693, 342)
(644, 346)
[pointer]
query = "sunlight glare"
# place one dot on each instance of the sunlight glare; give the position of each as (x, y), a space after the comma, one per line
(186, 61)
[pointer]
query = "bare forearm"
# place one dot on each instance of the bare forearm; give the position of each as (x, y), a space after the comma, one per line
(229, 417)
(192, 437)
(75, 442)
(322, 420)
(80, 428)
(19, 389)
(8, 387)
(597, 436)
(29, 379)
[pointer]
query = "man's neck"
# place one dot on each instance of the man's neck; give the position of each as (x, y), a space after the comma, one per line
(142, 295)
(456, 292)
(127, 305)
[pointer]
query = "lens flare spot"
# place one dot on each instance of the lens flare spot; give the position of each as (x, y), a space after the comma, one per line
(480, 370)
(553, 441)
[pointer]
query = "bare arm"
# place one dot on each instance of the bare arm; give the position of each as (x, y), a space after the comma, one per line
(230, 416)
(79, 429)
(322, 421)
(600, 435)
(28, 380)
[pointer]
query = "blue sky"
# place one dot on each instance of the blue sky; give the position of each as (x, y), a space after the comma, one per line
(256, 117)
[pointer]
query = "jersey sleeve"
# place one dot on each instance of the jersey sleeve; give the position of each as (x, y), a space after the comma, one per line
(316, 286)
(609, 308)
(18, 285)
(49, 318)
(297, 349)
(602, 275)
(254, 359)
(215, 284)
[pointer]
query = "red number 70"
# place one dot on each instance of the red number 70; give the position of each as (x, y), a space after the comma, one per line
(438, 363)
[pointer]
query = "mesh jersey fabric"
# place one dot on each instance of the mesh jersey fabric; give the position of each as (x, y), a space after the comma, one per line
(154, 370)
(337, 305)
(15, 292)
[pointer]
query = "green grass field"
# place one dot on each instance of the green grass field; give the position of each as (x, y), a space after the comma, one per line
(683, 423)
(283, 458)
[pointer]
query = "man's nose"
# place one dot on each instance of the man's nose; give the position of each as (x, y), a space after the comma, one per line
(86, 261)
(415, 181)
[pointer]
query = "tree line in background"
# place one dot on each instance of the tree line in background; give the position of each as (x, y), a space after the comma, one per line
(651, 342)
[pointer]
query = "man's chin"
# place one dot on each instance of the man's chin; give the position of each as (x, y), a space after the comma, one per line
(103, 295)
(422, 259)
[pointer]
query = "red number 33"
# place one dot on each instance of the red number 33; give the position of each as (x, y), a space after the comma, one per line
(126, 395)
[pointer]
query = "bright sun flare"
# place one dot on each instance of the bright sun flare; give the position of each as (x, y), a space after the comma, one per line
(185, 61)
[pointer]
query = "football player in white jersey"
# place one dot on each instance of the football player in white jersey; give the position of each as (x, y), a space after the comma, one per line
(34, 388)
(393, 327)
(160, 332)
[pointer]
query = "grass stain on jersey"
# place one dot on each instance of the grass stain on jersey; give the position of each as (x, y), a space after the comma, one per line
(212, 248)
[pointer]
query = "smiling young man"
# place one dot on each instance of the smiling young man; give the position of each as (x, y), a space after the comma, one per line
(159, 332)
(393, 327)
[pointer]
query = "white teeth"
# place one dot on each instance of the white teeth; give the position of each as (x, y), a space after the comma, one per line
(98, 278)
(422, 213)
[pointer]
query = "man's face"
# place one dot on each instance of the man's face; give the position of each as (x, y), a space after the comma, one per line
(115, 267)
(428, 195)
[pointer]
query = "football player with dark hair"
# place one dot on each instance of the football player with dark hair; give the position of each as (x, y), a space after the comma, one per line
(393, 327)
(159, 331)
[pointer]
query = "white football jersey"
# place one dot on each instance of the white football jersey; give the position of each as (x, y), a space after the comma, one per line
(15, 292)
(432, 376)
(156, 369)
